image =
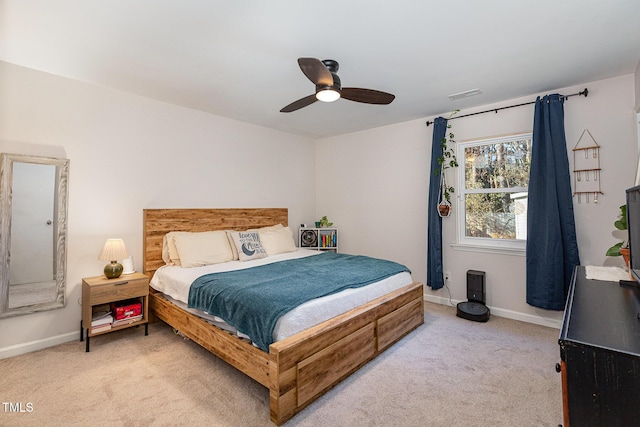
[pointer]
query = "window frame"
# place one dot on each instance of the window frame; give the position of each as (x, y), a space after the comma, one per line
(484, 244)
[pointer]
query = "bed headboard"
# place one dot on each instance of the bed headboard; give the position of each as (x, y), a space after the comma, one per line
(158, 222)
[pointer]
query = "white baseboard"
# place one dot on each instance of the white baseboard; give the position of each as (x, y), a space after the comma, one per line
(500, 312)
(28, 347)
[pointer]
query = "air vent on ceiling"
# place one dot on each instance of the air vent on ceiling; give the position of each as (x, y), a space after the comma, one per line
(464, 94)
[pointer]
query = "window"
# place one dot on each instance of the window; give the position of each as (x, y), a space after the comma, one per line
(492, 190)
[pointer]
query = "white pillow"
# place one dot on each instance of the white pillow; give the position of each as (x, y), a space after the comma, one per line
(248, 245)
(203, 248)
(268, 228)
(277, 241)
(234, 250)
(170, 254)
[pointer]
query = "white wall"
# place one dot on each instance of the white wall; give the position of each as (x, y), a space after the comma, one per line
(374, 186)
(636, 75)
(128, 153)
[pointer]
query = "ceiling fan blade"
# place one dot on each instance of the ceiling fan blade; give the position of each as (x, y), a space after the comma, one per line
(316, 71)
(300, 103)
(368, 96)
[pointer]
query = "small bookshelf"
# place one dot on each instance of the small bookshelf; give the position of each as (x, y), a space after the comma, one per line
(320, 239)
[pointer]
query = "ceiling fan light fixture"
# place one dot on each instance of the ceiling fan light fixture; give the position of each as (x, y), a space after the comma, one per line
(327, 95)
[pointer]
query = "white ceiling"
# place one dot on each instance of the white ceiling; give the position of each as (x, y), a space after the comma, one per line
(238, 59)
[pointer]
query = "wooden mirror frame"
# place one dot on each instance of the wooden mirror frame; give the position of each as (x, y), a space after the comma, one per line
(60, 231)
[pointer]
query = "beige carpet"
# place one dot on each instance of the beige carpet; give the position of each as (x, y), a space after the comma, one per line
(449, 372)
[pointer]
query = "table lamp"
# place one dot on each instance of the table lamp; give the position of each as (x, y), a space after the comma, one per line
(113, 251)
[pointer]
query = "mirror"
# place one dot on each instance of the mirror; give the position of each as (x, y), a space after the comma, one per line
(33, 231)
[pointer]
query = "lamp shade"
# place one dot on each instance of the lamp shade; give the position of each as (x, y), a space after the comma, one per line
(113, 250)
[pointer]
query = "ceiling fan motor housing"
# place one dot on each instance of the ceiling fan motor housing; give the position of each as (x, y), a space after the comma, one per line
(331, 65)
(337, 84)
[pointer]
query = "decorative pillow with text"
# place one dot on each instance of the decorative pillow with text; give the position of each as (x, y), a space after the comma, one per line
(248, 245)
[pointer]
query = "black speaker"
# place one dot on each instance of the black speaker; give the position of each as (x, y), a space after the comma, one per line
(474, 309)
(309, 238)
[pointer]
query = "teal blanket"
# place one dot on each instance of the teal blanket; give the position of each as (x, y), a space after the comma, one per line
(252, 300)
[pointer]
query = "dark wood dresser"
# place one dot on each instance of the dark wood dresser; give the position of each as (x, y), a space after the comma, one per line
(600, 354)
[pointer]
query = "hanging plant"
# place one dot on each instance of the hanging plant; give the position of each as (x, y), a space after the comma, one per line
(447, 160)
(444, 204)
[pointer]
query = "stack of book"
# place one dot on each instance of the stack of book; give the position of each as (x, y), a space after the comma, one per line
(101, 319)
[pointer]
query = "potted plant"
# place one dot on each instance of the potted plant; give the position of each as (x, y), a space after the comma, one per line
(324, 222)
(447, 160)
(620, 248)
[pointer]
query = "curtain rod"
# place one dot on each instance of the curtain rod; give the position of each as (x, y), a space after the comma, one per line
(584, 93)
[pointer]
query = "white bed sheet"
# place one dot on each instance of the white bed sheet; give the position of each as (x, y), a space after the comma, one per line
(175, 281)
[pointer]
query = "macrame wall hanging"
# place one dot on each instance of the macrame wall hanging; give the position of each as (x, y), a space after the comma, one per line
(586, 168)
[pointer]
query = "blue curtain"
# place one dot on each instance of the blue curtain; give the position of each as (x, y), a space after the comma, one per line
(435, 277)
(552, 249)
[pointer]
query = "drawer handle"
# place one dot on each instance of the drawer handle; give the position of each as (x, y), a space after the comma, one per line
(121, 283)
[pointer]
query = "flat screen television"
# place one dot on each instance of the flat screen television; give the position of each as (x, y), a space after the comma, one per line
(633, 228)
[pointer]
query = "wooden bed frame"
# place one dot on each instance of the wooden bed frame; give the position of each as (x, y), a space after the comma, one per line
(299, 369)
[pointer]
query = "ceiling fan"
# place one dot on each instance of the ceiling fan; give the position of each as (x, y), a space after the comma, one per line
(329, 89)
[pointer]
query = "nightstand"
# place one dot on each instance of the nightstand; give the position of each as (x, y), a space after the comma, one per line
(99, 290)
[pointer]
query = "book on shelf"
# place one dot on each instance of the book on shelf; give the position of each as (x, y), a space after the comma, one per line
(329, 240)
(107, 320)
(126, 320)
(100, 328)
(101, 315)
